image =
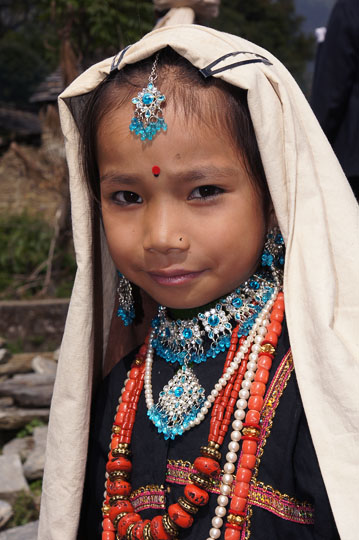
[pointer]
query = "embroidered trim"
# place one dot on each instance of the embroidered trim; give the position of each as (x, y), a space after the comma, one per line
(280, 504)
(150, 496)
(271, 402)
(178, 472)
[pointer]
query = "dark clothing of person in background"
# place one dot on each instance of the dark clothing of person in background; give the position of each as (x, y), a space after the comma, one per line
(335, 95)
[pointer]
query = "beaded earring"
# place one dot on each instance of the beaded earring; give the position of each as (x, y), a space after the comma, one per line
(126, 310)
(273, 251)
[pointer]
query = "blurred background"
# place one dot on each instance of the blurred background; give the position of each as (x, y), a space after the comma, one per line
(44, 45)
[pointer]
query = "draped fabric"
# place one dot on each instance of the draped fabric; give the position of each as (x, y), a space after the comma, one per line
(318, 217)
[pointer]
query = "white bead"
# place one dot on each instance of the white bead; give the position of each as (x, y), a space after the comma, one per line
(227, 376)
(217, 522)
(262, 331)
(227, 479)
(218, 387)
(230, 371)
(246, 384)
(233, 446)
(244, 394)
(214, 533)
(256, 348)
(265, 322)
(241, 404)
(225, 490)
(197, 421)
(239, 414)
(233, 365)
(231, 457)
(222, 500)
(252, 365)
(220, 511)
(204, 411)
(236, 436)
(237, 425)
(214, 392)
(249, 375)
(210, 398)
(200, 417)
(258, 339)
(253, 357)
(229, 467)
(222, 381)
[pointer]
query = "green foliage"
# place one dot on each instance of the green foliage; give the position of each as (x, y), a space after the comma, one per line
(24, 509)
(28, 430)
(24, 246)
(272, 24)
(36, 486)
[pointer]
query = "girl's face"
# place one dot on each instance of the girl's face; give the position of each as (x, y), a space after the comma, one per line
(193, 233)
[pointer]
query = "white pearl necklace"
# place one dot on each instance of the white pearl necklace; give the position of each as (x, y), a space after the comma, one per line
(239, 415)
(255, 335)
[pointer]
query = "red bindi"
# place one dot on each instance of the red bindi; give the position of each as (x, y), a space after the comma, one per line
(156, 171)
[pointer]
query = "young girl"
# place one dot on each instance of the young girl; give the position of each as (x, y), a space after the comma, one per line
(187, 151)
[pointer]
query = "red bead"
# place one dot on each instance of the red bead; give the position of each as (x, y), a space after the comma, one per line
(277, 315)
(255, 403)
(196, 495)
(156, 170)
(108, 535)
(258, 389)
(231, 534)
(275, 327)
(137, 531)
(120, 506)
(207, 465)
(134, 373)
(248, 461)
(118, 487)
(238, 504)
(243, 475)
(262, 375)
(125, 522)
(119, 464)
(241, 489)
(107, 525)
(270, 338)
(252, 418)
(264, 361)
(179, 516)
(158, 532)
(249, 447)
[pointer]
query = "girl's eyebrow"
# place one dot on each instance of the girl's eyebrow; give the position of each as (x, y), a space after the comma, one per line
(202, 173)
(206, 173)
(117, 178)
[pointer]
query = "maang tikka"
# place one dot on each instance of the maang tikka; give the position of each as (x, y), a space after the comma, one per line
(126, 309)
(147, 120)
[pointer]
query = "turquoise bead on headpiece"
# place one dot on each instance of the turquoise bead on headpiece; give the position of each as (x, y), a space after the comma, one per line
(147, 120)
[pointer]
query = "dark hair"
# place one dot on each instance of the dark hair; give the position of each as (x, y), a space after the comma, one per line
(225, 106)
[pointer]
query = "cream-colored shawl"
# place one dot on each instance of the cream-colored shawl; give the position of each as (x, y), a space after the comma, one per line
(318, 216)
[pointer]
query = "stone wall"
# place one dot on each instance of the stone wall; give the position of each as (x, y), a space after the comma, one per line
(33, 324)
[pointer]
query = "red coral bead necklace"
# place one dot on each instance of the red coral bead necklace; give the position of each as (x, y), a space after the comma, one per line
(241, 388)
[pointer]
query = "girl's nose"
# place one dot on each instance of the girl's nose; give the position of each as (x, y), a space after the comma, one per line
(164, 229)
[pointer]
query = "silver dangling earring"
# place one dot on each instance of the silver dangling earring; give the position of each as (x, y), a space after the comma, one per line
(273, 253)
(126, 309)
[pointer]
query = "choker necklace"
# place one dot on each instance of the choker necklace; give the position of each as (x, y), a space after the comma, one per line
(182, 403)
(246, 372)
(184, 341)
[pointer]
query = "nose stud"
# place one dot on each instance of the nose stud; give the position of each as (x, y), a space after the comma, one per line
(156, 171)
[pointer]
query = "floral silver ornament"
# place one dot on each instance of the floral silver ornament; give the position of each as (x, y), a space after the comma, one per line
(148, 117)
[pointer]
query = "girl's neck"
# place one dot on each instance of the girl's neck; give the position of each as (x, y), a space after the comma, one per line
(189, 313)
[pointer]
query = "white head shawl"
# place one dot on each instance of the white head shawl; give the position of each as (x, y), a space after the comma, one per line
(318, 217)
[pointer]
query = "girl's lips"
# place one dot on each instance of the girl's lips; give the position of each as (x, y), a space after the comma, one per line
(177, 277)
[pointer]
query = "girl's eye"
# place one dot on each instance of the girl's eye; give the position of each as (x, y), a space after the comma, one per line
(126, 198)
(205, 192)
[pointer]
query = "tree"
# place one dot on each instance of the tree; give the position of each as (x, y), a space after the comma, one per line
(272, 24)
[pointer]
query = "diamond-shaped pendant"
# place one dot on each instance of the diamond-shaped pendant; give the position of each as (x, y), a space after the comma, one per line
(179, 402)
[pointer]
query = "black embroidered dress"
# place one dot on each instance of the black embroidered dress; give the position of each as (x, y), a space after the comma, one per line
(287, 497)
